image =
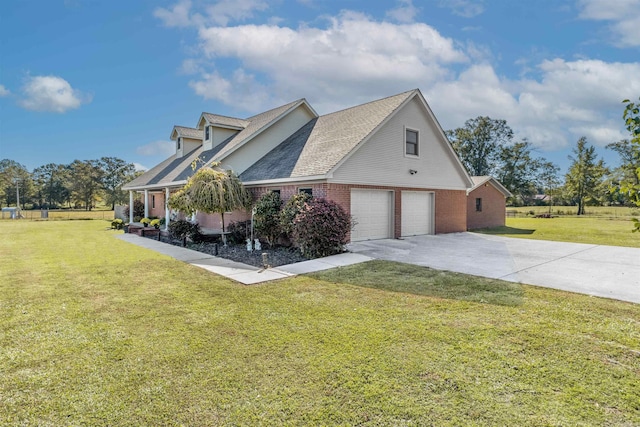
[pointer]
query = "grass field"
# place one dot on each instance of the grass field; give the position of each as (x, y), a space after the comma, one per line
(583, 229)
(94, 331)
(66, 214)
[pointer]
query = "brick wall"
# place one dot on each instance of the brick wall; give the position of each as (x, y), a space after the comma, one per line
(493, 208)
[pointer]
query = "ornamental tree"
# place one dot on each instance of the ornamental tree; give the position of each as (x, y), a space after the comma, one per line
(211, 190)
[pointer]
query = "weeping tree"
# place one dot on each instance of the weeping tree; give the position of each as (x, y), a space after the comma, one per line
(211, 190)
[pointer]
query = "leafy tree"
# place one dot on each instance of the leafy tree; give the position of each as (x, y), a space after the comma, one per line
(548, 180)
(629, 152)
(116, 173)
(211, 190)
(51, 182)
(13, 177)
(86, 182)
(479, 142)
(267, 217)
(519, 171)
(583, 182)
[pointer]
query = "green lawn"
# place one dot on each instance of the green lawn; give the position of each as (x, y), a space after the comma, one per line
(582, 229)
(94, 331)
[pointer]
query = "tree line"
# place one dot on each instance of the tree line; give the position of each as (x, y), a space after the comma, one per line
(487, 147)
(80, 184)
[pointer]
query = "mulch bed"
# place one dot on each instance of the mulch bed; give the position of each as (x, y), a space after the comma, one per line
(276, 256)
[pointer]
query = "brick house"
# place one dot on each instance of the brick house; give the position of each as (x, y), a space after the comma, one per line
(387, 162)
(486, 203)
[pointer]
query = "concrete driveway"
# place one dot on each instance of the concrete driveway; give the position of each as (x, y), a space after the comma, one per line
(605, 271)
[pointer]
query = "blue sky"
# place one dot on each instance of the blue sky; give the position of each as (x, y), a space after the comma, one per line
(82, 79)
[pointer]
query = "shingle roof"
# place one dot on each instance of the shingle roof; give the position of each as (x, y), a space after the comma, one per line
(321, 144)
(480, 180)
(188, 132)
(233, 122)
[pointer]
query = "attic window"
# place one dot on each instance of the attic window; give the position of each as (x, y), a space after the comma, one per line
(206, 133)
(411, 142)
(179, 143)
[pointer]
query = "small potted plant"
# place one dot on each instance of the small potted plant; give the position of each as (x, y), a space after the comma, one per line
(145, 221)
(155, 223)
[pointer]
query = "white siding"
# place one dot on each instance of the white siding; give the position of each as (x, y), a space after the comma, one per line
(269, 139)
(188, 145)
(381, 160)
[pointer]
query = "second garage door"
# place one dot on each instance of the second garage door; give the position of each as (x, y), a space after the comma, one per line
(371, 209)
(417, 213)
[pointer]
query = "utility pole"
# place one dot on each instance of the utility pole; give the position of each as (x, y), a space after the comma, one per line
(17, 181)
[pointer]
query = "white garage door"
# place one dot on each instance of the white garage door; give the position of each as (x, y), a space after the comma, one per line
(371, 210)
(417, 213)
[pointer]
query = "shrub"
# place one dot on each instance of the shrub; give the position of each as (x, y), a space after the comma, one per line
(145, 221)
(290, 210)
(321, 227)
(117, 224)
(138, 209)
(182, 229)
(155, 223)
(238, 232)
(267, 217)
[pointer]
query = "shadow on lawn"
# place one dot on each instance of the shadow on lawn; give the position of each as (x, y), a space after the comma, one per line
(504, 230)
(417, 280)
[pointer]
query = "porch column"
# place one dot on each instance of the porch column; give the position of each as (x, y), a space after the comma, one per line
(166, 209)
(130, 206)
(146, 203)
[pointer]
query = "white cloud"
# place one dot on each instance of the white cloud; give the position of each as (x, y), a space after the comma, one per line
(4, 91)
(177, 16)
(157, 148)
(51, 93)
(140, 167)
(464, 8)
(405, 12)
(355, 59)
(623, 15)
(222, 12)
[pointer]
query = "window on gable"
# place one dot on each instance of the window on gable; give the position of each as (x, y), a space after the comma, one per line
(308, 191)
(479, 204)
(411, 142)
(207, 131)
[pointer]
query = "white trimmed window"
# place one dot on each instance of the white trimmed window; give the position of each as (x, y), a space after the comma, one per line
(179, 143)
(207, 133)
(411, 142)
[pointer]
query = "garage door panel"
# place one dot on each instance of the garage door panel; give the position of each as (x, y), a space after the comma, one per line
(371, 211)
(417, 213)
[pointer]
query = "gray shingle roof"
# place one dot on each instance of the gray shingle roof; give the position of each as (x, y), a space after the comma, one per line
(321, 144)
(233, 122)
(189, 132)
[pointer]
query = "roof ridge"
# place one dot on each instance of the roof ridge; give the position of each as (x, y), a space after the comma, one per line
(369, 102)
(275, 108)
(223, 116)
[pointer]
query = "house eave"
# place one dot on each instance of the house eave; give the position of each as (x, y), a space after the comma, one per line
(174, 184)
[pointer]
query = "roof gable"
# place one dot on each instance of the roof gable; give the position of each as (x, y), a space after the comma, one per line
(479, 181)
(185, 132)
(221, 121)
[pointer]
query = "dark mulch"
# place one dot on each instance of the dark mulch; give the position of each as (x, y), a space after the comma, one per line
(276, 256)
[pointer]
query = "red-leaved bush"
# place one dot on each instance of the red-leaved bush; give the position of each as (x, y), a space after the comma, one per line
(320, 228)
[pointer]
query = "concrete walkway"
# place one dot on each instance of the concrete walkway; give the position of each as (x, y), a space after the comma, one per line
(240, 272)
(605, 271)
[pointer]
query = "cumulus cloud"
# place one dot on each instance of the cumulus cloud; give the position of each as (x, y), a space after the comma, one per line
(140, 167)
(177, 16)
(157, 148)
(623, 18)
(354, 58)
(51, 93)
(4, 91)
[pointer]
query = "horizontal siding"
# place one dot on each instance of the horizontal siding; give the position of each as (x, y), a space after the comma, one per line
(381, 160)
(266, 141)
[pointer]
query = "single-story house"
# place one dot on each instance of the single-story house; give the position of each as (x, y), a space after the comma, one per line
(388, 163)
(486, 203)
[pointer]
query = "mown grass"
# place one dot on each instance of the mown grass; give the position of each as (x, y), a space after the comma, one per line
(94, 331)
(577, 229)
(65, 214)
